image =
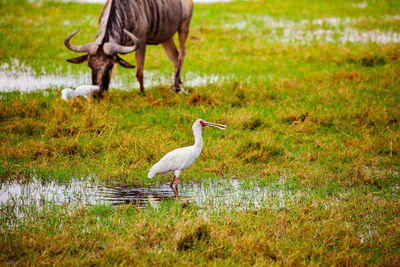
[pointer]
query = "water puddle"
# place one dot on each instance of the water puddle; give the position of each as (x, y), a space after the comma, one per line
(213, 195)
(104, 1)
(328, 29)
(19, 77)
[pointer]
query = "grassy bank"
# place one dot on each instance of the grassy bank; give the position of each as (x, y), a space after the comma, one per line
(358, 230)
(307, 98)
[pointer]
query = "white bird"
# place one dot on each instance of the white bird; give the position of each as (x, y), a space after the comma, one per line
(82, 90)
(181, 158)
(86, 90)
(68, 93)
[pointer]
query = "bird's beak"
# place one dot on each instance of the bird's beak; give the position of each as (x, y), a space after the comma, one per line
(216, 125)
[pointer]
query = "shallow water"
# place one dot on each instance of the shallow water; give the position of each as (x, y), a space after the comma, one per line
(326, 29)
(210, 194)
(19, 77)
(104, 1)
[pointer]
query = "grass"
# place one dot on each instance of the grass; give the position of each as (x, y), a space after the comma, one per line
(320, 111)
(346, 231)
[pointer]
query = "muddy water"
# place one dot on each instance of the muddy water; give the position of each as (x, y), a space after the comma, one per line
(211, 194)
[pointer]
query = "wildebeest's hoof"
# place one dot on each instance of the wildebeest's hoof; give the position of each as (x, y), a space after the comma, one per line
(180, 90)
(98, 95)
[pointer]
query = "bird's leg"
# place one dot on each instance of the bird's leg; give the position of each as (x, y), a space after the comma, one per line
(172, 182)
(176, 192)
(176, 182)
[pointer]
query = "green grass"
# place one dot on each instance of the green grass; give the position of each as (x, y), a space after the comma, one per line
(358, 229)
(322, 114)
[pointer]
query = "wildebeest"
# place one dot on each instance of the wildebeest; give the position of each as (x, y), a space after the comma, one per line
(129, 25)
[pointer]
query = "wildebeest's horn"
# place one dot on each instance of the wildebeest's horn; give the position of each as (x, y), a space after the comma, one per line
(77, 48)
(113, 48)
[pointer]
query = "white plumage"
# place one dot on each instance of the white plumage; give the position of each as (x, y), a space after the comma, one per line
(181, 158)
(83, 90)
(86, 90)
(68, 93)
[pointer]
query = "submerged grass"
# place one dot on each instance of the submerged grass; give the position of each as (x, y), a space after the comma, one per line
(318, 113)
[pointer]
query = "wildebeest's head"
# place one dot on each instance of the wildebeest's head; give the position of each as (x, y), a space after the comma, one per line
(101, 58)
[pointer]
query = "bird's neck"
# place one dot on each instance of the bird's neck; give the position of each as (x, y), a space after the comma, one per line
(198, 139)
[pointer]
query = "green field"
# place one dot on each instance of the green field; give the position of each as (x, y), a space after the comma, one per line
(310, 91)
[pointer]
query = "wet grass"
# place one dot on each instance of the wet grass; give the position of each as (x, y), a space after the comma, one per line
(350, 230)
(321, 115)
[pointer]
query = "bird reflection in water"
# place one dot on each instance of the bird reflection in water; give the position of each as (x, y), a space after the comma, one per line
(119, 195)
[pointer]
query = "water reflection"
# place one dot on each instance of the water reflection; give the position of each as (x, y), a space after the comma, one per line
(138, 196)
(213, 195)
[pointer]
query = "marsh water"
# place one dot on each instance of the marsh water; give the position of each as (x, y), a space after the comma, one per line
(16, 76)
(212, 194)
(104, 1)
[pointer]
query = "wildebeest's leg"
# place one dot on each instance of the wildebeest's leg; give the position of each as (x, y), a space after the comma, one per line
(172, 52)
(140, 53)
(183, 33)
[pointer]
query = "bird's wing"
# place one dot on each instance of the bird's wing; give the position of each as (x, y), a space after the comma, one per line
(85, 90)
(175, 160)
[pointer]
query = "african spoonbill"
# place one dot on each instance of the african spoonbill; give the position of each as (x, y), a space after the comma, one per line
(182, 158)
(82, 90)
(68, 93)
(86, 90)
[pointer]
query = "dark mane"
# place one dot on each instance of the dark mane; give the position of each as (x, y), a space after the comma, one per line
(115, 23)
(115, 20)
